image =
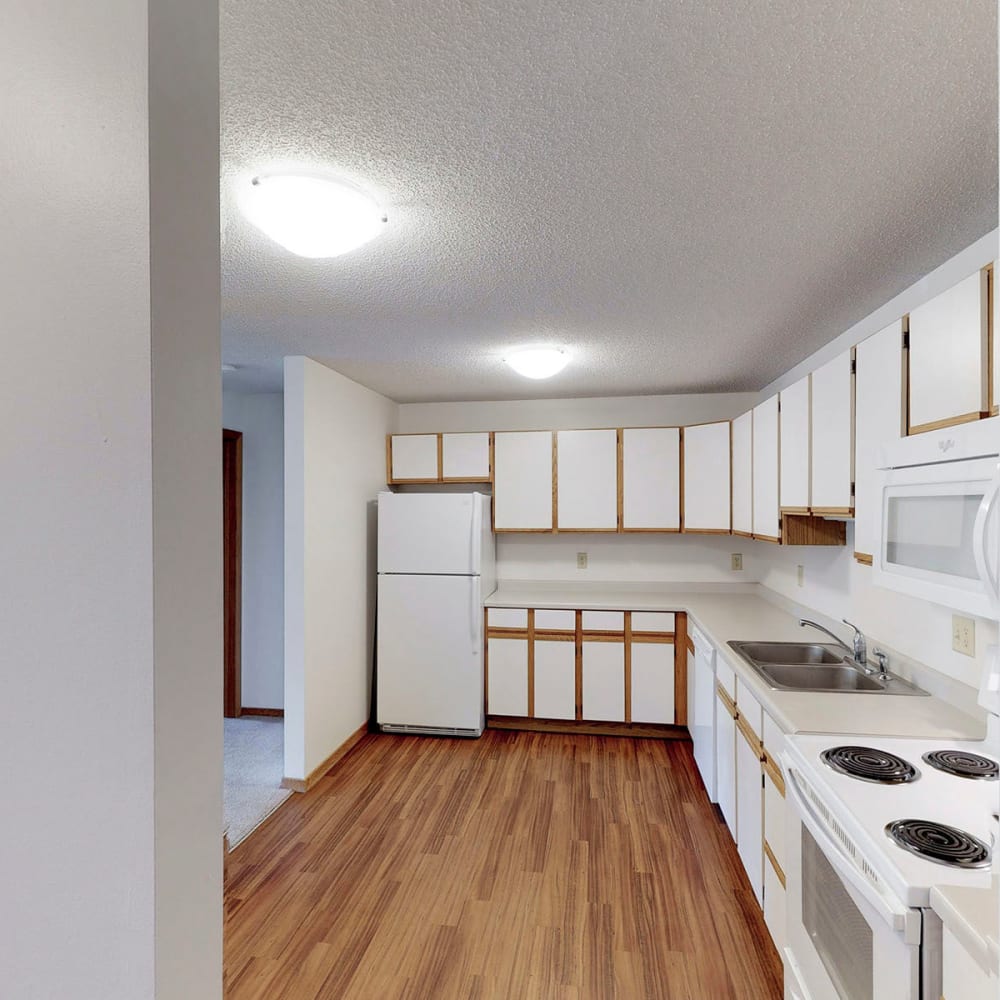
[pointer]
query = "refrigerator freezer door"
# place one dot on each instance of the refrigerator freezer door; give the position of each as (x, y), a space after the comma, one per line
(430, 533)
(429, 668)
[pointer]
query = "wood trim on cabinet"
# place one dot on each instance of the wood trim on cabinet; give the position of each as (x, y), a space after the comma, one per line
(707, 531)
(554, 635)
(832, 511)
(388, 459)
(642, 730)
(440, 450)
(769, 854)
(742, 534)
(578, 638)
(680, 669)
(772, 770)
(795, 510)
(267, 713)
(727, 703)
(587, 531)
(937, 425)
(298, 785)
(523, 531)
(628, 667)
(775, 540)
(650, 531)
(531, 661)
(663, 638)
(496, 632)
(690, 644)
(595, 635)
(746, 731)
(864, 558)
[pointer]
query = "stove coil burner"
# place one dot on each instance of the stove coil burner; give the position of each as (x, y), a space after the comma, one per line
(869, 764)
(963, 764)
(944, 845)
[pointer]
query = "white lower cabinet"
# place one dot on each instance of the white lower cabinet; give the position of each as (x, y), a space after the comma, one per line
(774, 907)
(555, 678)
(603, 681)
(725, 761)
(507, 691)
(652, 682)
(750, 810)
(962, 976)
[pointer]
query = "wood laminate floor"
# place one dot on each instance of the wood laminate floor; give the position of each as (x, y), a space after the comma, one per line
(520, 865)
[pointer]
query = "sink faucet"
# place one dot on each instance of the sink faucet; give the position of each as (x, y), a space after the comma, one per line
(859, 654)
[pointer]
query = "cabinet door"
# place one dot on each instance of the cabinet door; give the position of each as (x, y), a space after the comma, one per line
(995, 346)
(795, 415)
(522, 480)
(948, 356)
(508, 677)
(707, 482)
(832, 437)
(587, 480)
(555, 678)
(743, 474)
(604, 681)
(651, 476)
(725, 763)
(750, 810)
(878, 421)
(465, 458)
(766, 524)
(774, 907)
(414, 458)
(652, 672)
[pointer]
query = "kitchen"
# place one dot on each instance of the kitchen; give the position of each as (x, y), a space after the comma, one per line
(693, 202)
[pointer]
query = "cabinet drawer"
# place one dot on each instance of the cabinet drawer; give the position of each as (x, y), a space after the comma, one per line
(507, 618)
(553, 620)
(749, 708)
(604, 621)
(652, 621)
(725, 676)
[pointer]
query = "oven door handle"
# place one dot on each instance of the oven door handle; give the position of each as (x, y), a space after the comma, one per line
(892, 910)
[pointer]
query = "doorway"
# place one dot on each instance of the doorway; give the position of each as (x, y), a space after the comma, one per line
(232, 571)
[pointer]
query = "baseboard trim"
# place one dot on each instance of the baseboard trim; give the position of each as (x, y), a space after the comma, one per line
(570, 727)
(300, 785)
(277, 713)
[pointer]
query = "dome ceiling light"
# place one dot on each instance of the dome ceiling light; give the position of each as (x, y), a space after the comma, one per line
(538, 362)
(311, 216)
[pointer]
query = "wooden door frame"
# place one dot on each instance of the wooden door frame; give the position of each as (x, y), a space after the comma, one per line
(232, 563)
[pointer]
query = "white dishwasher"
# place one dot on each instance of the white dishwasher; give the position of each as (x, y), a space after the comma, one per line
(702, 709)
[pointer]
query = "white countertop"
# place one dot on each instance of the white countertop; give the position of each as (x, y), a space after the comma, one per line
(738, 611)
(973, 916)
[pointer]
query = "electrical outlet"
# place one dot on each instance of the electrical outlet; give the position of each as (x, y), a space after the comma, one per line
(736, 561)
(581, 560)
(963, 635)
(800, 575)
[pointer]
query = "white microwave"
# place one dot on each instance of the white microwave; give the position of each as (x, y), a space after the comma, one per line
(939, 538)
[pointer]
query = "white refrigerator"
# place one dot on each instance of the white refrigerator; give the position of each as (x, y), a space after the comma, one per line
(436, 566)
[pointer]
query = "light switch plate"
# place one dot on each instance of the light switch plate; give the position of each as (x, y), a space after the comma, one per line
(963, 635)
(581, 560)
(736, 561)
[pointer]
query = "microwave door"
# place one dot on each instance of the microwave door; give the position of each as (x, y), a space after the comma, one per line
(986, 542)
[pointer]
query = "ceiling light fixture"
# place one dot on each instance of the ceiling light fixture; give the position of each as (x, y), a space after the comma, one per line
(311, 216)
(538, 362)
(230, 368)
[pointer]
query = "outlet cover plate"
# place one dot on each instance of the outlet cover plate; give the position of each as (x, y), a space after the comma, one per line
(963, 635)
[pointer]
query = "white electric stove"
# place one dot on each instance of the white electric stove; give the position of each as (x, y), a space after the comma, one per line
(872, 824)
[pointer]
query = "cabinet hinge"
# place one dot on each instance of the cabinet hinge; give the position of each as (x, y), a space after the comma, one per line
(906, 340)
(854, 366)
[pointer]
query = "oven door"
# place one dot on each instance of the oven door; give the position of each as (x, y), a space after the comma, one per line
(939, 533)
(848, 937)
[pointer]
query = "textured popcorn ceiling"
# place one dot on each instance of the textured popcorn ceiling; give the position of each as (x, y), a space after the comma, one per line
(693, 195)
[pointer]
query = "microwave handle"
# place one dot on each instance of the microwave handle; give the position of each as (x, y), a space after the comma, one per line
(893, 911)
(986, 563)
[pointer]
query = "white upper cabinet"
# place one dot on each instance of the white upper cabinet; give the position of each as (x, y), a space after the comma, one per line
(766, 523)
(522, 480)
(994, 346)
(465, 457)
(413, 458)
(832, 436)
(743, 474)
(651, 475)
(948, 356)
(795, 412)
(587, 480)
(707, 486)
(879, 414)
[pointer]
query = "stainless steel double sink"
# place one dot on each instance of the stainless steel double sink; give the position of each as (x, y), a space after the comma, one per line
(816, 666)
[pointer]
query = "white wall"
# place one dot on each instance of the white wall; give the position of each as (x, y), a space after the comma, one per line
(566, 414)
(260, 416)
(110, 594)
(334, 469)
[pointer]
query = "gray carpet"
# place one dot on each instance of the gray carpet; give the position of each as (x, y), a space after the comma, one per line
(253, 767)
